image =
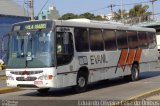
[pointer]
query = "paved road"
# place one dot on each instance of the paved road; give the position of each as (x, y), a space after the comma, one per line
(116, 89)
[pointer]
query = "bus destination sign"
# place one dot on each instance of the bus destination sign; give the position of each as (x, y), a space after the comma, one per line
(36, 26)
(32, 25)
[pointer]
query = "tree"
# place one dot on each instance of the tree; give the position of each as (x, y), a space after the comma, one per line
(117, 15)
(139, 13)
(68, 16)
(139, 10)
(87, 15)
(84, 15)
(98, 17)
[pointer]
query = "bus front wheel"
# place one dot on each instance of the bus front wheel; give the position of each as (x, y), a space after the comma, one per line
(82, 80)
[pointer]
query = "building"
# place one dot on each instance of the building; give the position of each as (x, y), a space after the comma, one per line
(107, 16)
(51, 13)
(10, 13)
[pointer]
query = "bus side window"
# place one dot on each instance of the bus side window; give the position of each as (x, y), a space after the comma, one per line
(132, 39)
(109, 37)
(64, 47)
(96, 40)
(122, 39)
(143, 40)
(81, 39)
(151, 40)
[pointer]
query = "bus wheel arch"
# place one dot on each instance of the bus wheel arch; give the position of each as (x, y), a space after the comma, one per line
(82, 80)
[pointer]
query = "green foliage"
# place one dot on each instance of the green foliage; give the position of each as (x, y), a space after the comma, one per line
(139, 10)
(69, 16)
(84, 15)
(117, 15)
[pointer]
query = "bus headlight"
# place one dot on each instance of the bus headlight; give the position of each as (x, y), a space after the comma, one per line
(45, 77)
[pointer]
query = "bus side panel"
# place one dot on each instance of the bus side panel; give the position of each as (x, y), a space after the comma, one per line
(148, 59)
(67, 74)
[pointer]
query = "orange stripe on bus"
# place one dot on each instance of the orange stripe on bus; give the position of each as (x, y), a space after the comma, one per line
(131, 57)
(123, 58)
(138, 55)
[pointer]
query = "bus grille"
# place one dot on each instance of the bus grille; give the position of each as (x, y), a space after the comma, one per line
(29, 72)
(26, 79)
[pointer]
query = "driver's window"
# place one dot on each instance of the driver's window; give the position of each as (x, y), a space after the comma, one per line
(64, 47)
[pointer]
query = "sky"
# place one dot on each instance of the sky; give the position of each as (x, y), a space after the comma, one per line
(97, 7)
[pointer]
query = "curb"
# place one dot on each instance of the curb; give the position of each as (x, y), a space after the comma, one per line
(8, 90)
(138, 97)
(145, 95)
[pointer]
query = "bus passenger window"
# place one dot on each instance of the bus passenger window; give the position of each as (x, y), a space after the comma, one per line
(81, 39)
(143, 40)
(109, 39)
(122, 39)
(132, 39)
(64, 47)
(151, 40)
(96, 40)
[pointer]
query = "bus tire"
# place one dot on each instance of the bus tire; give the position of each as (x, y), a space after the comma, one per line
(134, 72)
(82, 80)
(43, 91)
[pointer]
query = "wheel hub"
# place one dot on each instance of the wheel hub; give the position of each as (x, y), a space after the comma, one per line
(81, 82)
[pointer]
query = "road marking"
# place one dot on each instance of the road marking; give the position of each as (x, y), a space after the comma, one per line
(140, 96)
(144, 95)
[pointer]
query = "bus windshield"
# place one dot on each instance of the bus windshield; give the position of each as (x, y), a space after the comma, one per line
(32, 49)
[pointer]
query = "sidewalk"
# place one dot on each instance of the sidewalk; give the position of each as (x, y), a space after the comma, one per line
(2, 82)
(2, 73)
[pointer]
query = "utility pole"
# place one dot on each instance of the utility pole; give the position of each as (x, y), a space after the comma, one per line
(153, 7)
(121, 9)
(31, 5)
(111, 6)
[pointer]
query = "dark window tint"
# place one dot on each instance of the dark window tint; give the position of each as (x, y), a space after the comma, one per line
(109, 39)
(132, 39)
(64, 48)
(96, 41)
(122, 39)
(81, 39)
(143, 39)
(151, 40)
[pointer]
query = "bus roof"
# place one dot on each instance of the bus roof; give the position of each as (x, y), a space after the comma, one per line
(91, 24)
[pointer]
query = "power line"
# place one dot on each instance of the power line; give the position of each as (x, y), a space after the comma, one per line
(43, 7)
(115, 5)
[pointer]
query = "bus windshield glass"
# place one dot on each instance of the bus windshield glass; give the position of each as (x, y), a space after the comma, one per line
(32, 49)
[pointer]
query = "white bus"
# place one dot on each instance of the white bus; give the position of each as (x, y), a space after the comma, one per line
(55, 53)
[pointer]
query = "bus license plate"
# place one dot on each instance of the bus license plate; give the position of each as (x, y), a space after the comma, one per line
(38, 82)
